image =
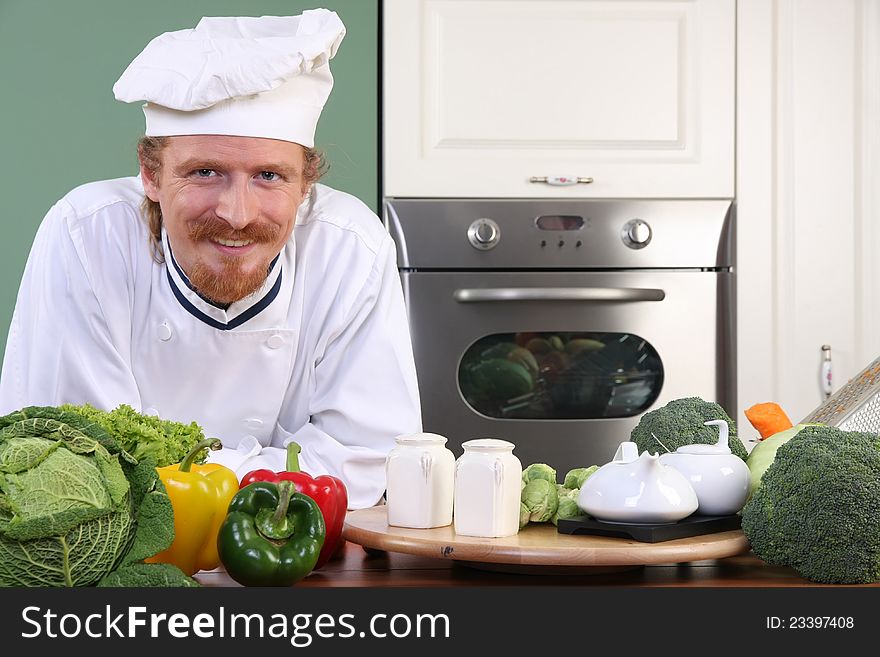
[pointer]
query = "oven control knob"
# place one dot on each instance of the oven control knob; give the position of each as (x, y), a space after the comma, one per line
(636, 234)
(484, 234)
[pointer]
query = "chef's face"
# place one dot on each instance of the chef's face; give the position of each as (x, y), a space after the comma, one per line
(228, 205)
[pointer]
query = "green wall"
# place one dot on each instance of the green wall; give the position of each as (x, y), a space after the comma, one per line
(61, 126)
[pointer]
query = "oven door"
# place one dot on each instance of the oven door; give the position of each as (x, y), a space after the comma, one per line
(564, 364)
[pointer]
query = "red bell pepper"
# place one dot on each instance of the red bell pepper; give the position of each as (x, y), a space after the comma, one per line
(328, 492)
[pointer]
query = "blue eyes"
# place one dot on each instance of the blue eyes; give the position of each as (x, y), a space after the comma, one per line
(267, 176)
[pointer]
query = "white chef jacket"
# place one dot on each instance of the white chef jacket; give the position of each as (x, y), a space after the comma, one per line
(321, 354)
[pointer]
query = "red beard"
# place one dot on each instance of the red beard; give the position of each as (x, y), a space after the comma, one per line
(231, 282)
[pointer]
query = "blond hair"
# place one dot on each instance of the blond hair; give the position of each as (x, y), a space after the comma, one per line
(149, 151)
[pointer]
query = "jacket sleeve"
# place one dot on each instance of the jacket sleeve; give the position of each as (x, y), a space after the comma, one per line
(61, 347)
(365, 391)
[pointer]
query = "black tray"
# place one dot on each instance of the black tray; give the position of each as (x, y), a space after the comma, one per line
(693, 525)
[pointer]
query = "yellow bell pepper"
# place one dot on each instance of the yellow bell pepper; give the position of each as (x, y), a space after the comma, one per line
(200, 495)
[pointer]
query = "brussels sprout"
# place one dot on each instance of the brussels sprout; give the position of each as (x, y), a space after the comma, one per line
(524, 514)
(539, 471)
(540, 498)
(568, 507)
(574, 479)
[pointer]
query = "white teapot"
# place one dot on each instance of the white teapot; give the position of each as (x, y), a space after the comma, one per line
(719, 477)
(637, 489)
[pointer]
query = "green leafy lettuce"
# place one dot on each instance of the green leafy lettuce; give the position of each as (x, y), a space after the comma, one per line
(144, 436)
(76, 509)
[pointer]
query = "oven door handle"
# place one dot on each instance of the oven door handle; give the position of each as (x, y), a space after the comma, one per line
(582, 294)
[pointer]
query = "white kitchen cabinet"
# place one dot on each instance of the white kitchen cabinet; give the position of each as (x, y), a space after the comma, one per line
(808, 207)
(481, 96)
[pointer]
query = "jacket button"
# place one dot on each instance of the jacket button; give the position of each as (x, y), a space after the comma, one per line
(164, 332)
(275, 341)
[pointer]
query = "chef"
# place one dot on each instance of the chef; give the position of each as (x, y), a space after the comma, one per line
(224, 285)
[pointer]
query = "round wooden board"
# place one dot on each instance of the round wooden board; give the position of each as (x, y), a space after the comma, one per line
(535, 545)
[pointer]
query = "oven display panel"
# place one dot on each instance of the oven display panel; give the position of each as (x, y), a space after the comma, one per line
(559, 222)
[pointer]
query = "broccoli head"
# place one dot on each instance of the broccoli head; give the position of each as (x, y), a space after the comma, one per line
(818, 507)
(680, 423)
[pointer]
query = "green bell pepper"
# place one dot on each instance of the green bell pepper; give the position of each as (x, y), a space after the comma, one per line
(272, 535)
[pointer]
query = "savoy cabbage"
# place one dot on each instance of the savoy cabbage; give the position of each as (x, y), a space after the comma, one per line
(76, 509)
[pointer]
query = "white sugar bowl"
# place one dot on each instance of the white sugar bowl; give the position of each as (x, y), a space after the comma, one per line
(719, 477)
(637, 490)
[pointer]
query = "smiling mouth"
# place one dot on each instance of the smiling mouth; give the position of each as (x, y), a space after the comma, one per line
(234, 243)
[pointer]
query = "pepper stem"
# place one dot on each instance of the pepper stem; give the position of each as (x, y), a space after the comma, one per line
(208, 443)
(293, 451)
(286, 488)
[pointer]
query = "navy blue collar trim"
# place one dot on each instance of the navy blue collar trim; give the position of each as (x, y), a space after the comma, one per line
(185, 279)
(250, 313)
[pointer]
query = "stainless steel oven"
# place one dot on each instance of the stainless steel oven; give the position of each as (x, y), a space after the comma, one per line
(556, 324)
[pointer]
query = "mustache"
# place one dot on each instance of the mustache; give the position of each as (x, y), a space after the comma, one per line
(213, 228)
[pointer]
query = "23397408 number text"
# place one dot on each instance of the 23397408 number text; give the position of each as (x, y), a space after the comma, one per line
(810, 622)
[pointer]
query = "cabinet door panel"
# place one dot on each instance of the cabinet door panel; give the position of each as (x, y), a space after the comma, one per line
(482, 95)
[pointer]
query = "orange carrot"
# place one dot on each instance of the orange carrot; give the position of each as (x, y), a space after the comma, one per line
(768, 418)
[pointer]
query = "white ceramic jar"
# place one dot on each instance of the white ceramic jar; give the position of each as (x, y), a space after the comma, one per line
(420, 473)
(487, 489)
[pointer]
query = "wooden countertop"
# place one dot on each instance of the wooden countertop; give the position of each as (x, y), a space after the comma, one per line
(356, 567)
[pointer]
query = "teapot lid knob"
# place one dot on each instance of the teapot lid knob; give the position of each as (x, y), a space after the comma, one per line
(720, 447)
(626, 452)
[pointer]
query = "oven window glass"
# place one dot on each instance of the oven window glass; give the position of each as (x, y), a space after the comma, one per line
(560, 375)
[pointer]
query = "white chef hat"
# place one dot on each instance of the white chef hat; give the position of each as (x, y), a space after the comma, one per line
(246, 76)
